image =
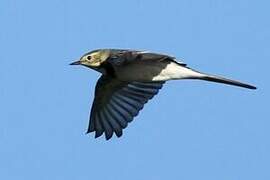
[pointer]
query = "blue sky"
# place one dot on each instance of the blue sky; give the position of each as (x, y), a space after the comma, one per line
(191, 130)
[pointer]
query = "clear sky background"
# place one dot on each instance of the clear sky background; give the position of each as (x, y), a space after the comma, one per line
(191, 130)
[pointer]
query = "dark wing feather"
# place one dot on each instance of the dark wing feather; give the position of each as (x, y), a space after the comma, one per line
(121, 57)
(116, 103)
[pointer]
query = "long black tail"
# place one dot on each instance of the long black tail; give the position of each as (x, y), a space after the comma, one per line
(223, 80)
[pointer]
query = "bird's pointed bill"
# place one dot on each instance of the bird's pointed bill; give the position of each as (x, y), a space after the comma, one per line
(75, 63)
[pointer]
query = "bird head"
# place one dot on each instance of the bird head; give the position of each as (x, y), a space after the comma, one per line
(93, 59)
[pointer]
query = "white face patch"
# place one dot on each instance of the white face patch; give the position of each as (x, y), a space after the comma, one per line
(95, 59)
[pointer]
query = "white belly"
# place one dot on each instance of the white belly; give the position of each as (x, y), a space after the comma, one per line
(154, 71)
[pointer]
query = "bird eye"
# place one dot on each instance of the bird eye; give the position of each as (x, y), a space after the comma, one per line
(89, 57)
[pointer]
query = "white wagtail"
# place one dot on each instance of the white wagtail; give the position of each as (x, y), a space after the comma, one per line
(129, 79)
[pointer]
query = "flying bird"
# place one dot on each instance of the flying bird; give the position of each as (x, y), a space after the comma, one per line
(129, 79)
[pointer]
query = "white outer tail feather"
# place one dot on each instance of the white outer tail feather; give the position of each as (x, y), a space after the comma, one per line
(175, 71)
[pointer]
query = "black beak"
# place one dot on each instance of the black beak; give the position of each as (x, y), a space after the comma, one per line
(75, 63)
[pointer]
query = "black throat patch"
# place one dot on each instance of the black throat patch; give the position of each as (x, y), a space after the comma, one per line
(108, 68)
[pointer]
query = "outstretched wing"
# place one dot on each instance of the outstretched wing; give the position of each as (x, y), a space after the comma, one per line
(116, 103)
